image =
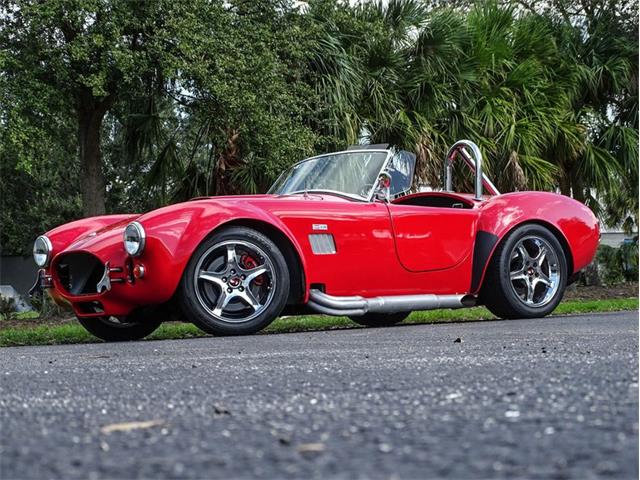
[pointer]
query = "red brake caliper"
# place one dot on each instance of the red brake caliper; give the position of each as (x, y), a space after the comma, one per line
(248, 263)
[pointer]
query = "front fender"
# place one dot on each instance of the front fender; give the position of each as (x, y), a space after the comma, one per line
(175, 232)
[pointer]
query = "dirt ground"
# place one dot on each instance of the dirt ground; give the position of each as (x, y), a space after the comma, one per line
(580, 292)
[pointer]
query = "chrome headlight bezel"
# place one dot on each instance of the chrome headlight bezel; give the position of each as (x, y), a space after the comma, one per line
(42, 250)
(134, 239)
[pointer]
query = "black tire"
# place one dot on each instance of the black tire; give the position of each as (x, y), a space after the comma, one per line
(199, 305)
(380, 319)
(507, 298)
(122, 329)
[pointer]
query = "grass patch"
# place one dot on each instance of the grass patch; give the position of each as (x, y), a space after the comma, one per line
(74, 333)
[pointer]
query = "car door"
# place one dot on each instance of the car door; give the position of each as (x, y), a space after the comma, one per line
(348, 246)
(432, 238)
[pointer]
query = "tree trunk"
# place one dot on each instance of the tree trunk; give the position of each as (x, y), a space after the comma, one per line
(565, 184)
(577, 185)
(228, 161)
(91, 175)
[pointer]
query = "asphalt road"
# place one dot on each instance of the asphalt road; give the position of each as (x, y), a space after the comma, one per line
(550, 398)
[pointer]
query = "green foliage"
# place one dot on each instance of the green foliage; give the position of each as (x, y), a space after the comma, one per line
(535, 89)
(7, 308)
(45, 307)
(616, 265)
(629, 254)
(205, 97)
(609, 261)
(39, 184)
(246, 103)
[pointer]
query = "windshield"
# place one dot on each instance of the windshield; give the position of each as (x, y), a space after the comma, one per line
(351, 173)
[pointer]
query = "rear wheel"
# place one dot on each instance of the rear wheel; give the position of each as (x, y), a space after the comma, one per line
(527, 275)
(236, 283)
(120, 329)
(380, 319)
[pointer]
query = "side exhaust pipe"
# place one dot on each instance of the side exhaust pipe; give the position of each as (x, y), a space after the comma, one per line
(357, 306)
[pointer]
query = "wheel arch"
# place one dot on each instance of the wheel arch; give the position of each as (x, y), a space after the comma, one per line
(477, 281)
(564, 243)
(286, 246)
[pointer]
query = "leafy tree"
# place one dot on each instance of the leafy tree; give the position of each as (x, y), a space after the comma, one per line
(39, 187)
(425, 78)
(234, 115)
(92, 53)
(597, 149)
(552, 102)
(247, 102)
(122, 105)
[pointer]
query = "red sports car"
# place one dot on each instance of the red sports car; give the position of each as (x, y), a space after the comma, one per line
(337, 234)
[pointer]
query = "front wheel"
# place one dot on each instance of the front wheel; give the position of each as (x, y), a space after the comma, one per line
(527, 274)
(236, 283)
(120, 329)
(380, 319)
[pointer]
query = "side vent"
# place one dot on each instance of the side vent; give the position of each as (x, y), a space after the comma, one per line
(322, 243)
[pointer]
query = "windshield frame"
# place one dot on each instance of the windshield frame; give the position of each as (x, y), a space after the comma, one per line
(352, 196)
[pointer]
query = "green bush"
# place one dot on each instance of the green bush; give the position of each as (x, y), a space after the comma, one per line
(616, 265)
(629, 253)
(46, 307)
(7, 308)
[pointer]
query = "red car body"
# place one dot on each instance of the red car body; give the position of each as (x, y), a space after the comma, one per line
(382, 249)
(357, 253)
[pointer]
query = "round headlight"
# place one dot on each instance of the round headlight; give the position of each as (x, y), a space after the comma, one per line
(134, 238)
(42, 249)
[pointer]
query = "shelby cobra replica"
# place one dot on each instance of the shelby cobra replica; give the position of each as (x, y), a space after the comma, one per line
(337, 234)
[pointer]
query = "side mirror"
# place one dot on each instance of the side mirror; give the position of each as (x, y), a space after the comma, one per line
(383, 188)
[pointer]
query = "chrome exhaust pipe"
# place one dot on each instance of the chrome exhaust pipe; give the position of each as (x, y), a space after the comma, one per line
(357, 306)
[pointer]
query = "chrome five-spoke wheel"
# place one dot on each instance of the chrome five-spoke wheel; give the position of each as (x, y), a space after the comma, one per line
(534, 271)
(527, 274)
(237, 282)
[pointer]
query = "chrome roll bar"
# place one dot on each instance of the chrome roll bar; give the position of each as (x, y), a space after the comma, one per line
(474, 161)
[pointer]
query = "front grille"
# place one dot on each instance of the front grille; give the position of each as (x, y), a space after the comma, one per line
(79, 273)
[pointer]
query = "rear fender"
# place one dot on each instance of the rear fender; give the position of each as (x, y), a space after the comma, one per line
(572, 222)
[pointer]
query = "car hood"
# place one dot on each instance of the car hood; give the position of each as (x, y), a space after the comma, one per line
(94, 233)
(81, 234)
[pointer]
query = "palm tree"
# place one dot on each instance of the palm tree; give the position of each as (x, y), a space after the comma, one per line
(602, 49)
(537, 94)
(427, 78)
